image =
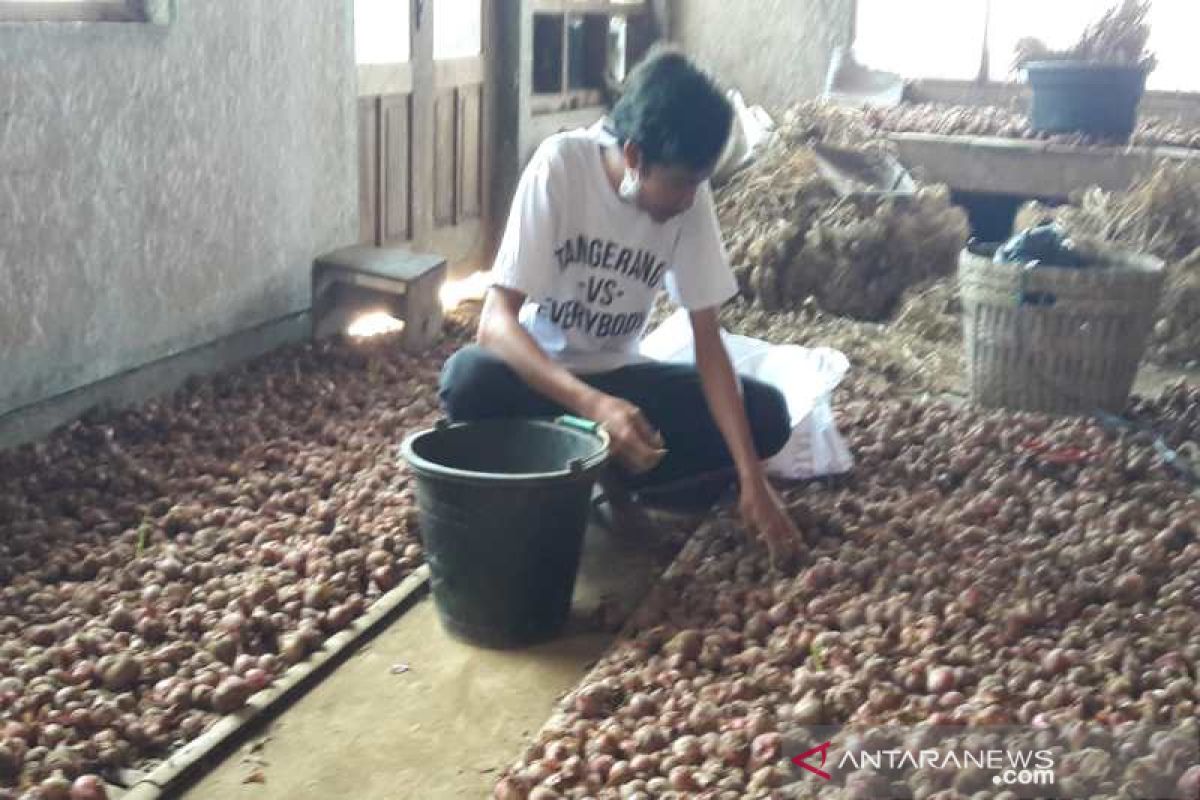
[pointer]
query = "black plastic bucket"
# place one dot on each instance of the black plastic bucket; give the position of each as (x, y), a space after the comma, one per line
(503, 507)
(1075, 96)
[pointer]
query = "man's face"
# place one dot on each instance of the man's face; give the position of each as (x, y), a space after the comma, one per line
(664, 190)
(668, 191)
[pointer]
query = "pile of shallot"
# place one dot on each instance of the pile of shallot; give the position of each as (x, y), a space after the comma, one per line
(977, 569)
(161, 565)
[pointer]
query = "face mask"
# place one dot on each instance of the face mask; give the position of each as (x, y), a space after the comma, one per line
(630, 185)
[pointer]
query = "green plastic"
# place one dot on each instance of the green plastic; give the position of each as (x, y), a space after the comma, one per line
(503, 508)
(578, 422)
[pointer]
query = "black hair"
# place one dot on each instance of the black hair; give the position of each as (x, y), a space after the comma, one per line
(673, 111)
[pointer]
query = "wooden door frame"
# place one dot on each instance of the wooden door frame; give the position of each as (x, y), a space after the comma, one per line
(421, 168)
(468, 243)
(406, 98)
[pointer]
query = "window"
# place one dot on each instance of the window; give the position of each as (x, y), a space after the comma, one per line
(1058, 24)
(902, 37)
(571, 60)
(381, 32)
(1173, 39)
(580, 47)
(154, 11)
(457, 29)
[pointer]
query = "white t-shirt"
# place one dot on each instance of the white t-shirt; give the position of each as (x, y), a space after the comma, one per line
(591, 265)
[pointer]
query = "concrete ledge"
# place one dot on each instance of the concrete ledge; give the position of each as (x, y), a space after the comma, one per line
(157, 378)
(1027, 168)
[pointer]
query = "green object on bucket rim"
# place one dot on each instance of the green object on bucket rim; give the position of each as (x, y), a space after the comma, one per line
(579, 422)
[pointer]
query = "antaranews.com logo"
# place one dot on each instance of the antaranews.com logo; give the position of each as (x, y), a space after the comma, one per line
(1083, 760)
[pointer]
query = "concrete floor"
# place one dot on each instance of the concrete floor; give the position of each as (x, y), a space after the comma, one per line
(417, 714)
(1152, 380)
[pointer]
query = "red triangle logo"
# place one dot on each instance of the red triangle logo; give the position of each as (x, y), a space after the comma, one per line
(802, 760)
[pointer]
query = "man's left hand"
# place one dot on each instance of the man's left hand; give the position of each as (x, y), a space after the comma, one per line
(764, 512)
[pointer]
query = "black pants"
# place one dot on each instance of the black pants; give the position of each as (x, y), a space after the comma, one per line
(476, 384)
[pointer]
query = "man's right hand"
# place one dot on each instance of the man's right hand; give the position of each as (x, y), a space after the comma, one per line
(634, 441)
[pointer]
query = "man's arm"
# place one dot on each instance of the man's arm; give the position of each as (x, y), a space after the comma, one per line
(721, 391)
(500, 331)
(759, 504)
(634, 441)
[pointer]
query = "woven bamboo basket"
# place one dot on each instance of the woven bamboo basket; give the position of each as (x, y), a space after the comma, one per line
(1055, 339)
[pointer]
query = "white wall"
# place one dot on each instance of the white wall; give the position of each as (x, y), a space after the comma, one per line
(162, 187)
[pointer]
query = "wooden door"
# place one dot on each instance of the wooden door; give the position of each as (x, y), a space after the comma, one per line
(423, 106)
(460, 156)
(383, 45)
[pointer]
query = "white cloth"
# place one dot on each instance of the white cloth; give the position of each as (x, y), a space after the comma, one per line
(591, 265)
(752, 129)
(806, 377)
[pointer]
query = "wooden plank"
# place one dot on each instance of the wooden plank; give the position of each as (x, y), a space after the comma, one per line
(423, 312)
(395, 177)
(452, 72)
(168, 778)
(397, 264)
(422, 160)
(470, 161)
(368, 170)
(444, 157)
(488, 136)
(381, 79)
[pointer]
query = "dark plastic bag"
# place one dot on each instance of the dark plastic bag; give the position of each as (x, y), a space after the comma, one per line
(1045, 244)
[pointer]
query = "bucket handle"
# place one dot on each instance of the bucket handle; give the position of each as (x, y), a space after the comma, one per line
(578, 465)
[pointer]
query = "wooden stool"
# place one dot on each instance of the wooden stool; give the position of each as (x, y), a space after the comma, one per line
(360, 279)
